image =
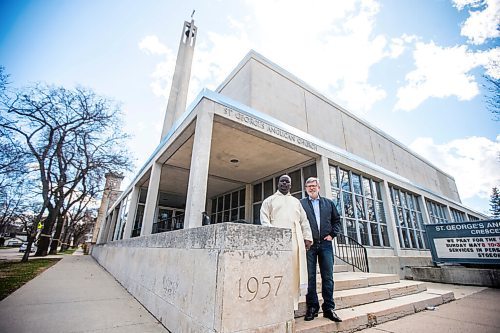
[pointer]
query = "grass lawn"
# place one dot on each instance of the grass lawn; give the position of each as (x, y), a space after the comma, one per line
(68, 251)
(14, 274)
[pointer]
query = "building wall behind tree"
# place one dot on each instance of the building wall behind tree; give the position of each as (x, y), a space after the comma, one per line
(271, 90)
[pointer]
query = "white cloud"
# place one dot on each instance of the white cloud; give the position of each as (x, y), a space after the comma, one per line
(152, 45)
(483, 20)
(164, 70)
(442, 72)
(492, 62)
(329, 44)
(473, 162)
(216, 57)
(461, 4)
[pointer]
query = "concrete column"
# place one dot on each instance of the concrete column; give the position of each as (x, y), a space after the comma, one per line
(248, 203)
(151, 200)
(198, 173)
(103, 231)
(323, 170)
(132, 209)
(425, 214)
(391, 219)
(119, 222)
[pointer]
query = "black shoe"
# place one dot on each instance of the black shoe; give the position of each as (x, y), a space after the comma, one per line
(311, 313)
(330, 314)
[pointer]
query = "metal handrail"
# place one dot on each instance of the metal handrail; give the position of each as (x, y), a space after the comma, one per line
(351, 252)
(169, 224)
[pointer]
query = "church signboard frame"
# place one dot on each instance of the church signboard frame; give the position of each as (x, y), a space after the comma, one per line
(476, 242)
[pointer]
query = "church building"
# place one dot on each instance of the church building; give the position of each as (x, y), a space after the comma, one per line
(222, 156)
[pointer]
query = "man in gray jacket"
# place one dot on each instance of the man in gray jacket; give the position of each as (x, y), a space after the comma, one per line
(325, 225)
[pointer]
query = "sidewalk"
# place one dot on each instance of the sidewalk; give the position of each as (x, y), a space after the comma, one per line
(75, 295)
(78, 295)
(475, 310)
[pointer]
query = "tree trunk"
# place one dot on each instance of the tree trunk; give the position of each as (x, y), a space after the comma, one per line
(31, 239)
(65, 239)
(43, 242)
(55, 239)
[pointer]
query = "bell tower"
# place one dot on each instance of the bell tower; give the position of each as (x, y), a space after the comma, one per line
(180, 82)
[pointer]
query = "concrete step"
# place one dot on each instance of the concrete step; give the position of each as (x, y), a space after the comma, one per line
(351, 280)
(368, 315)
(338, 268)
(354, 297)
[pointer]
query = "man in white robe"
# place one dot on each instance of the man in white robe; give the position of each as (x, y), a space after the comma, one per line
(285, 211)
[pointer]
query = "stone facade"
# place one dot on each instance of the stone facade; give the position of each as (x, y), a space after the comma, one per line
(219, 278)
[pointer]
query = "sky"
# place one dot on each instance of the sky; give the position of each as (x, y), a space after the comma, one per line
(414, 69)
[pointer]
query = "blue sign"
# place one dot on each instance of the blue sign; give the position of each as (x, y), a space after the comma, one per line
(475, 242)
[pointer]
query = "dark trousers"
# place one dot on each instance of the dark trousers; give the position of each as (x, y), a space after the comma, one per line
(322, 253)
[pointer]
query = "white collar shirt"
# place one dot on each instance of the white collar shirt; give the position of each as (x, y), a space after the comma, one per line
(315, 204)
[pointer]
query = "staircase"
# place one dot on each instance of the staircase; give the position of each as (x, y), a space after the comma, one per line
(366, 299)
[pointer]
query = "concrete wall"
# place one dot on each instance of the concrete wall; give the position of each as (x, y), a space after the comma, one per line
(397, 265)
(270, 89)
(239, 87)
(218, 278)
(485, 277)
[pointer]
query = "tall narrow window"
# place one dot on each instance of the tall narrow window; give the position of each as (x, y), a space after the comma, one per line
(360, 206)
(122, 218)
(436, 212)
(409, 222)
(228, 207)
(139, 213)
(457, 216)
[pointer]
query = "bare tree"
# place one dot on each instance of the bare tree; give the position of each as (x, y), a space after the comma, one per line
(493, 98)
(69, 135)
(83, 227)
(14, 182)
(31, 224)
(75, 207)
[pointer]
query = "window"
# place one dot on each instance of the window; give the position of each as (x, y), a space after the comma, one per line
(409, 221)
(264, 189)
(360, 206)
(168, 219)
(436, 212)
(457, 216)
(473, 218)
(139, 214)
(228, 207)
(122, 218)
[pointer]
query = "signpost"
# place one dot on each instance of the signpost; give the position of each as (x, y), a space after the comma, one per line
(475, 242)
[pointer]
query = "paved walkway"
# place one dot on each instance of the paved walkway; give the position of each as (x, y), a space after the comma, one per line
(476, 310)
(75, 295)
(78, 295)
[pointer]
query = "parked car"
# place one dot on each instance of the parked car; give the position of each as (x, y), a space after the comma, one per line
(24, 246)
(13, 242)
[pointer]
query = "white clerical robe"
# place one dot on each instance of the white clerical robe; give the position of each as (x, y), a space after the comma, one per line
(285, 211)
